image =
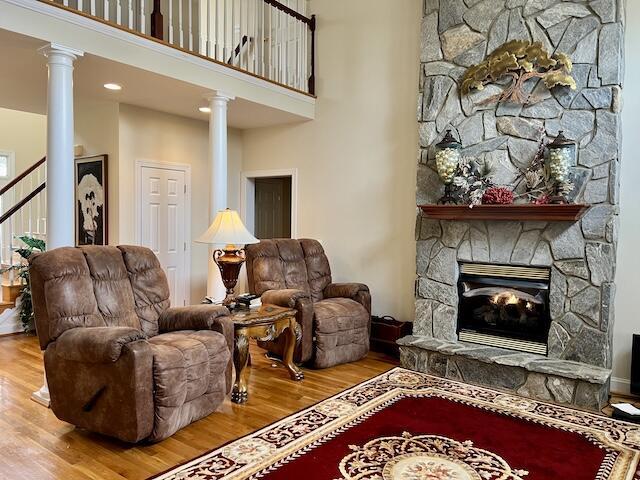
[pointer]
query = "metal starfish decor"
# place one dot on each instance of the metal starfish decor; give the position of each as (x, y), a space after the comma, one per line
(521, 60)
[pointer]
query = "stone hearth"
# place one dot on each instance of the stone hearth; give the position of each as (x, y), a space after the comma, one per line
(581, 255)
(527, 374)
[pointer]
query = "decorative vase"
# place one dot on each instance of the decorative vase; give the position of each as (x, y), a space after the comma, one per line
(447, 158)
(561, 158)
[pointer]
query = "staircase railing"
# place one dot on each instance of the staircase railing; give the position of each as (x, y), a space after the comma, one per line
(22, 211)
(280, 37)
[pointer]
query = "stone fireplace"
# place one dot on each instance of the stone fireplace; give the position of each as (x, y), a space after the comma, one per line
(579, 257)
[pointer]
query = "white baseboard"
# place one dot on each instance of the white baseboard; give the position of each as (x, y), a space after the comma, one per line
(620, 385)
(10, 322)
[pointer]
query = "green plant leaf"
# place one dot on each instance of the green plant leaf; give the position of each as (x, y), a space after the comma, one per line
(33, 243)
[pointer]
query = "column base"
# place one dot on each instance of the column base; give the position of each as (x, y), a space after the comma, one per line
(42, 396)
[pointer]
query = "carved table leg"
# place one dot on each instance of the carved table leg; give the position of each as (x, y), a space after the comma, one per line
(293, 333)
(240, 357)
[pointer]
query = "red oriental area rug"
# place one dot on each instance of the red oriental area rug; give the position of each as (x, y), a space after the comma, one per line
(405, 425)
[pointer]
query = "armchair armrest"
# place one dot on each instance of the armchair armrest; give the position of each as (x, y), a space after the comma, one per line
(358, 292)
(345, 290)
(96, 344)
(194, 317)
(198, 317)
(288, 297)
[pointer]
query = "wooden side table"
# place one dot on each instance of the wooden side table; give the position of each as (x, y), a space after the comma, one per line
(265, 323)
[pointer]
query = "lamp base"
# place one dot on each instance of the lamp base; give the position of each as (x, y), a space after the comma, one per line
(229, 261)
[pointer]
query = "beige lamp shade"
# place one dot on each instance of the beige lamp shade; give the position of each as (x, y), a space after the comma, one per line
(227, 229)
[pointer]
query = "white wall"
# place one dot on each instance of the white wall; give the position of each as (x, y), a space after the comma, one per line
(357, 161)
(96, 130)
(25, 134)
(160, 137)
(628, 268)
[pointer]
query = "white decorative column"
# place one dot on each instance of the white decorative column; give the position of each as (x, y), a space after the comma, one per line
(218, 103)
(60, 137)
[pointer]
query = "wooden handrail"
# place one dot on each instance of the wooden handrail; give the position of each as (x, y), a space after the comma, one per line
(236, 51)
(289, 11)
(13, 182)
(7, 215)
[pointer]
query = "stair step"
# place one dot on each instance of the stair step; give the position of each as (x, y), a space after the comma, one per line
(10, 292)
(6, 305)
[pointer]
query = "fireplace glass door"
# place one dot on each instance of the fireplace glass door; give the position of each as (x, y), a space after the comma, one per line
(506, 311)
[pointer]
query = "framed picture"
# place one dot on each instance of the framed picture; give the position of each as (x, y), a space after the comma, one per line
(91, 200)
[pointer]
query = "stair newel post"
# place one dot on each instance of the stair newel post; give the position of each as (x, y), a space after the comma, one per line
(312, 77)
(157, 21)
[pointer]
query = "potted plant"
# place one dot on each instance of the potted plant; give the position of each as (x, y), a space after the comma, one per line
(24, 303)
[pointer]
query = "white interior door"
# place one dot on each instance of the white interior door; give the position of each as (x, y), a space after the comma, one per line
(163, 224)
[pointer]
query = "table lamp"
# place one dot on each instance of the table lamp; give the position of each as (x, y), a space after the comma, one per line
(228, 230)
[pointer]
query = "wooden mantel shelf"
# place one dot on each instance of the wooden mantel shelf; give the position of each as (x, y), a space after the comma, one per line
(520, 212)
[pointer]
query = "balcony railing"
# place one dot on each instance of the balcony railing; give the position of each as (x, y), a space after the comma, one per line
(271, 39)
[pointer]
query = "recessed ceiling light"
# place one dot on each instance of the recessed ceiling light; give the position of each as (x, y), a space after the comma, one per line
(205, 109)
(112, 86)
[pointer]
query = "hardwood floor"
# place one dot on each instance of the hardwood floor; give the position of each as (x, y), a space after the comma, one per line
(34, 444)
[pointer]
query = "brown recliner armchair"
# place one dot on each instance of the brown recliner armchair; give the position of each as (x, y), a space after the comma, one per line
(118, 360)
(335, 317)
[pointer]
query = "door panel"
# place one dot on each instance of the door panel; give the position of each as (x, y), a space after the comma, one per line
(273, 207)
(163, 225)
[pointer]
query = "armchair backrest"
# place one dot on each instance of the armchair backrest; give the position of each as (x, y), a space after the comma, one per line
(96, 286)
(287, 263)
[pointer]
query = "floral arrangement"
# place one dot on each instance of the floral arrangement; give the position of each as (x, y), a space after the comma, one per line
(470, 181)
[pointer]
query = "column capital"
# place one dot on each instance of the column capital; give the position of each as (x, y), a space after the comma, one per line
(55, 51)
(218, 95)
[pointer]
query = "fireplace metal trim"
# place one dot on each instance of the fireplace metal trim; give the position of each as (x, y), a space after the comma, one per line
(517, 276)
(502, 342)
(506, 271)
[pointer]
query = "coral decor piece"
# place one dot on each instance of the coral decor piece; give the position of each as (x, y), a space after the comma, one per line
(521, 60)
(498, 196)
(378, 430)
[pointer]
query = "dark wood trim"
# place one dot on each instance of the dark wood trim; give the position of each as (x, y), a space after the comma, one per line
(13, 182)
(312, 77)
(521, 212)
(289, 11)
(21, 203)
(184, 50)
(157, 22)
(236, 51)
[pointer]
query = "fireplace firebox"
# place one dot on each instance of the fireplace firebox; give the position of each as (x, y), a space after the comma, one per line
(504, 306)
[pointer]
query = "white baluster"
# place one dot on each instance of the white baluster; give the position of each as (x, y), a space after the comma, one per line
(190, 26)
(232, 34)
(270, 48)
(119, 12)
(130, 14)
(80, 5)
(11, 262)
(92, 7)
(224, 30)
(255, 35)
(30, 211)
(65, 3)
(105, 9)
(143, 17)
(180, 29)
(170, 21)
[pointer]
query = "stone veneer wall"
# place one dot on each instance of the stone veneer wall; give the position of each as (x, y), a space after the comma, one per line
(459, 33)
